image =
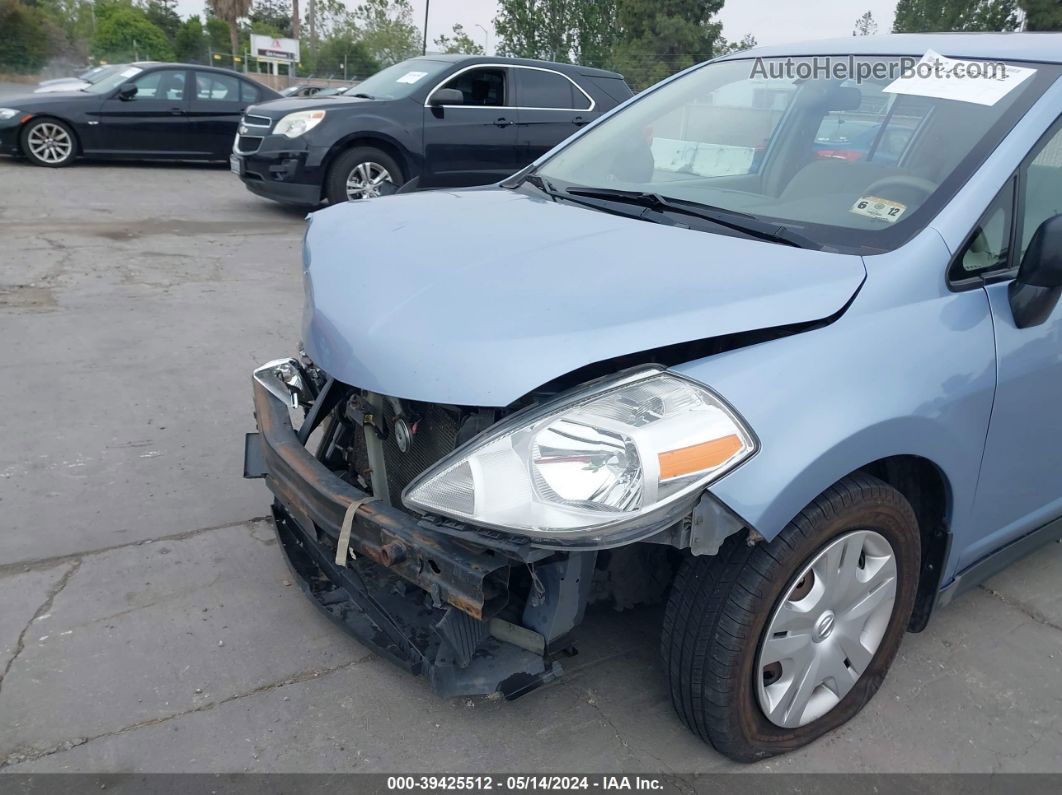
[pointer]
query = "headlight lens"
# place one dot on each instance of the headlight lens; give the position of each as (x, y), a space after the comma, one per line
(7, 113)
(295, 124)
(597, 461)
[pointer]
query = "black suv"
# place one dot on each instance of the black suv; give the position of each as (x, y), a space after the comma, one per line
(442, 120)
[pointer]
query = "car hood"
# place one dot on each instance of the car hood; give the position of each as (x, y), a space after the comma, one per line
(276, 108)
(44, 99)
(64, 84)
(477, 297)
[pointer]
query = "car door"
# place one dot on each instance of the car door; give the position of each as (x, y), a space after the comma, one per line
(1020, 487)
(550, 107)
(217, 104)
(473, 143)
(152, 122)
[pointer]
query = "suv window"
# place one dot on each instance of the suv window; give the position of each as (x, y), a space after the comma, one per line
(1043, 187)
(480, 87)
(222, 88)
(541, 89)
(160, 84)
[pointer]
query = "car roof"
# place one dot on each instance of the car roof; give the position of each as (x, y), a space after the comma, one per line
(569, 68)
(1040, 47)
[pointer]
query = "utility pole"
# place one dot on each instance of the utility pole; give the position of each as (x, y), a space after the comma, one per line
(295, 19)
(313, 26)
(424, 48)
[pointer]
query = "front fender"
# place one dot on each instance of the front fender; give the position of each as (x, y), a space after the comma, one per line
(909, 369)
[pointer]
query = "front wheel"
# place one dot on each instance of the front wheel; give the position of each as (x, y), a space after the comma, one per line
(49, 142)
(769, 647)
(362, 173)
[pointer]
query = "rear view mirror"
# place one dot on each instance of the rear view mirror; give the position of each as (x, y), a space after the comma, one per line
(127, 91)
(447, 96)
(1039, 284)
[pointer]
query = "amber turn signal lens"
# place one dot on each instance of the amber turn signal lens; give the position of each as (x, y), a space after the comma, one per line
(698, 457)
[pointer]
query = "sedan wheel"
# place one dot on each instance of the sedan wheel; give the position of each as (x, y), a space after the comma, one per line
(49, 142)
(366, 179)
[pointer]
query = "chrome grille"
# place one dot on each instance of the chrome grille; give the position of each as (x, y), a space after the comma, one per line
(257, 121)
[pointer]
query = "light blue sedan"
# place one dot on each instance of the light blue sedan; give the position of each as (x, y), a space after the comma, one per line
(685, 358)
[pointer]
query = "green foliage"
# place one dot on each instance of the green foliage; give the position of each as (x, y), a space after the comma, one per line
(343, 55)
(271, 17)
(865, 25)
(190, 43)
(1041, 15)
(569, 31)
(217, 34)
(125, 34)
(387, 30)
(460, 43)
(24, 46)
(724, 47)
(919, 16)
(163, 14)
(660, 37)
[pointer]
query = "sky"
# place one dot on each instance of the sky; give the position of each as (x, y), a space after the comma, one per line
(770, 21)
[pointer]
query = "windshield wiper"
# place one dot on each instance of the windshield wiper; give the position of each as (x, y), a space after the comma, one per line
(731, 219)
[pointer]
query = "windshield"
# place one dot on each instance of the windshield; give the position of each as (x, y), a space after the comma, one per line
(400, 80)
(855, 164)
(122, 73)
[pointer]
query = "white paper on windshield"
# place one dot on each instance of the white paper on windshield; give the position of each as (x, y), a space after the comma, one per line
(980, 82)
(411, 77)
(132, 70)
(878, 208)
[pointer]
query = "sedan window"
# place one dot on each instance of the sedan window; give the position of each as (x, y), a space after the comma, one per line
(161, 84)
(217, 87)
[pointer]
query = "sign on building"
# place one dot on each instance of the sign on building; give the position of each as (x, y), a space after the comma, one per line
(269, 48)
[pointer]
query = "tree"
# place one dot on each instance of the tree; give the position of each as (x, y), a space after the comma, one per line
(190, 43)
(865, 25)
(724, 47)
(272, 17)
(231, 11)
(579, 31)
(217, 33)
(660, 37)
(163, 15)
(920, 16)
(344, 54)
(460, 43)
(1042, 15)
(24, 45)
(126, 34)
(387, 30)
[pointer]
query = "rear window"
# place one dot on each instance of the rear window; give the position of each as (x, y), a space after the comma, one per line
(538, 88)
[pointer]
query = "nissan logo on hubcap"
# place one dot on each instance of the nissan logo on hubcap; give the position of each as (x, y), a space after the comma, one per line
(824, 626)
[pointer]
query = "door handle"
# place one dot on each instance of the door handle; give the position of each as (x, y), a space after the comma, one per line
(579, 121)
(502, 122)
(176, 111)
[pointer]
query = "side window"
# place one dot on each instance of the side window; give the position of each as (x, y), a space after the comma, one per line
(539, 89)
(160, 84)
(989, 247)
(480, 87)
(249, 93)
(222, 88)
(1042, 197)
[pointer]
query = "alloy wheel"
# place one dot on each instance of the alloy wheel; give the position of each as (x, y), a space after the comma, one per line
(50, 142)
(827, 627)
(365, 180)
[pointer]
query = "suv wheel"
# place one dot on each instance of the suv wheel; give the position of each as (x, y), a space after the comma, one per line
(49, 142)
(362, 173)
(768, 647)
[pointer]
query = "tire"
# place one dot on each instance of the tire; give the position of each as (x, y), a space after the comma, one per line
(49, 142)
(366, 159)
(722, 610)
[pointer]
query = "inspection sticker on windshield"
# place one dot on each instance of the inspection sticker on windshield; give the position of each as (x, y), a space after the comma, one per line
(980, 82)
(411, 77)
(880, 209)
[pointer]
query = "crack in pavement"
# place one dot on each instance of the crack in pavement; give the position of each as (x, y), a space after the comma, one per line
(45, 608)
(17, 757)
(23, 566)
(1021, 607)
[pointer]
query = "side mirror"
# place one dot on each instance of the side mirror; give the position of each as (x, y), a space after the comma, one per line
(127, 91)
(447, 96)
(1039, 284)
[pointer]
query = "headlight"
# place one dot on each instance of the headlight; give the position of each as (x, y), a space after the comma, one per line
(7, 113)
(295, 124)
(596, 462)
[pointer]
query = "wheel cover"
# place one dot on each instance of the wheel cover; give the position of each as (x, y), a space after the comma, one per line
(826, 628)
(365, 180)
(50, 142)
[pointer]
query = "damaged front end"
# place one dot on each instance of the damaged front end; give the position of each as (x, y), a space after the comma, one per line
(475, 608)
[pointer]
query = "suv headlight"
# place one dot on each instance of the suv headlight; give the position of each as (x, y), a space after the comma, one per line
(592, 463)
(295, 124)
(7, 113)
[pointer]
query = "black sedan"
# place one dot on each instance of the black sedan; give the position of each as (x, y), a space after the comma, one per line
(443, 121)
(143, 111)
